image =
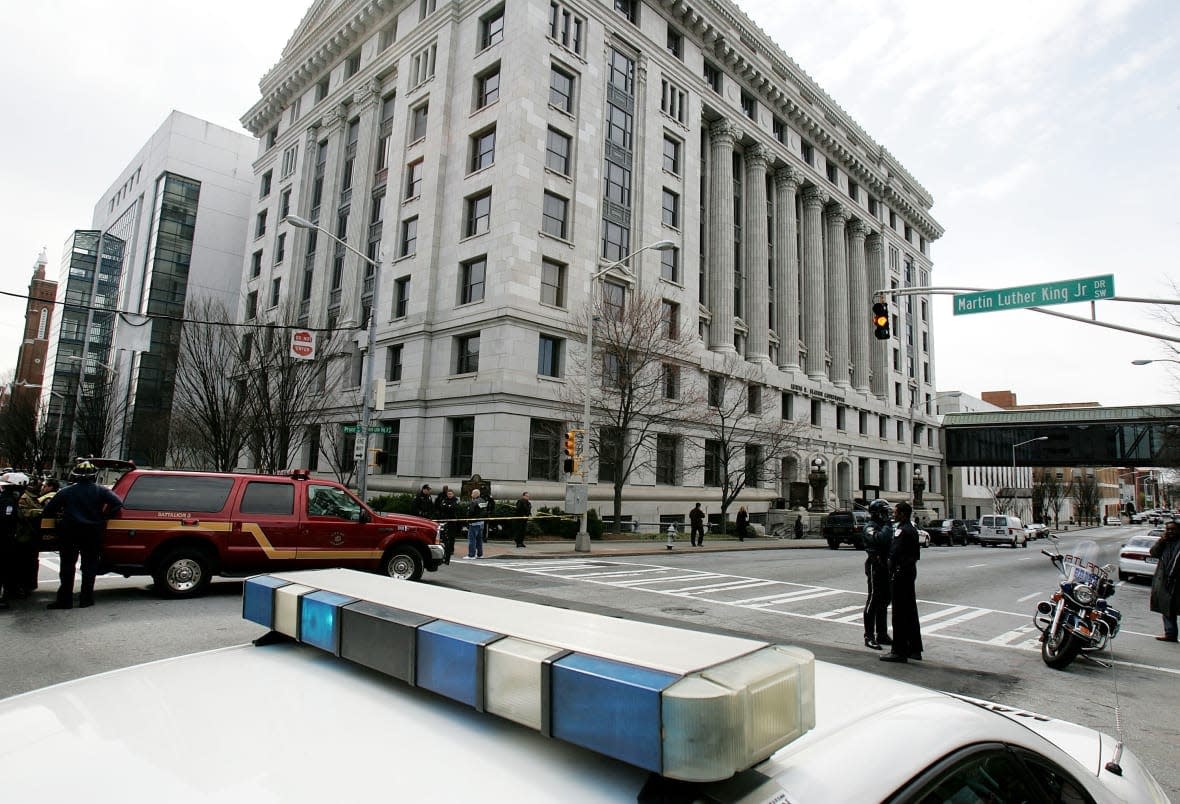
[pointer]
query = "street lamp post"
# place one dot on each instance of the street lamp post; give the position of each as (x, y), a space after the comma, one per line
(582, 540)
(1014, 446)
(1143, 362)
(362, 483)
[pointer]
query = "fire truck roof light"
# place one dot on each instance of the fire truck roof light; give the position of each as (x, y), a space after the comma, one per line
(685, 704)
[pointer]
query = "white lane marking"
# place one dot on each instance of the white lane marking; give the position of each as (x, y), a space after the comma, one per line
(851, 618)
(637, 582)
(797, 598)
(962, 618)
(616, 574)
(824, 615)
(973, 566)
(712, 587)
(775, 598)
(939, 614)
(1030, 597)
(1012, 636)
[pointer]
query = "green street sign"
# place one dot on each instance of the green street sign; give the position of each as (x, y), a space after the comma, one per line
(1069, 291)
(380, 429)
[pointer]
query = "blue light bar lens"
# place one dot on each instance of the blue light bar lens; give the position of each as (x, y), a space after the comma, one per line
(448, 660)
(319, 620)
(610, 707)
(258, 600)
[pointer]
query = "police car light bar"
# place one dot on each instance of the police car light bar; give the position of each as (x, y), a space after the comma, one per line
(687, 705)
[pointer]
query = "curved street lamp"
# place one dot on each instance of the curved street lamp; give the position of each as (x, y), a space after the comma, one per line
(1144, 362)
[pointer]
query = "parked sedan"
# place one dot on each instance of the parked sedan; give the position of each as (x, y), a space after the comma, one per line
(947, 531)
(923, 537)
(1134, 561)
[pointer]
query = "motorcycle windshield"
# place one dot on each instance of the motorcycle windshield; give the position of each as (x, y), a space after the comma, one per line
(1080, 563)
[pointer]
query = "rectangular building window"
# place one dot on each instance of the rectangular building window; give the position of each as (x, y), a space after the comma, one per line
(716, 391)
(462, 445)
(787, 405)
(749, 106)
(629, 9)
(401, 296)
(264, 184)
(390, 444)
(667, 459)
(414, 172)
(883, 426)
(753, 465)
(671, 209)
(561, 90)
(422, 65)
(670, 319)
(491, 28)
(817, 413)
(754, 400)
(256, 264)
(471, 283)
(280, 247)
(467, 354)
(552, 283)
(251, 305)
(285, 204)
(779, 129)
(675, 43)
(352, 65)
(549, 356)
(673, 101)
(418, 117)
(671, 375)
(408, 242)
(554, 216)
(260, 224)
(714, 462)
(483, 150)
(487, 87)
(612, 443)
(713, 77)
(478, 217)
(290, 158)
(544, 449)
(614, 300)
(841, 418)
(393, 362)
(672, 155)
(275, 291)
(557, 152)
(670, 264)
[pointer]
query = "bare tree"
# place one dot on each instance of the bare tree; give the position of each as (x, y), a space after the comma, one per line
(1084, 491)
(742, 445)
(209, 408)
(337, 447)
(24, 441)
(640, 353)
(98, 414)
(1049, 491)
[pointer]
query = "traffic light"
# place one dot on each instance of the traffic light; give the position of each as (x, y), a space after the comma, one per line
(571, 452)
(881, 321)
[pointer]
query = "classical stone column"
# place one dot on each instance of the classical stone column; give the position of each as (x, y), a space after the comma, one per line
(880, 349)
(786, 269)
(837, 293)
(720, 252)
(756, 253)
(859, 306)
(814, 313)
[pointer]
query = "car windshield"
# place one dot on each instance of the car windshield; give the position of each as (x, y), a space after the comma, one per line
(1155, 533)
(1144, 541)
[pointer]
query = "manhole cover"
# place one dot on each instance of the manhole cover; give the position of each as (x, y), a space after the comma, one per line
(682, 610)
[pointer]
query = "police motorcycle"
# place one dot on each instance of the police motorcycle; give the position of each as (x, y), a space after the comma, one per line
(1077, 619)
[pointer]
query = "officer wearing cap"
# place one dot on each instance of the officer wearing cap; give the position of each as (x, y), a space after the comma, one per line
(423, 504)
(82, 511)
(878, 536)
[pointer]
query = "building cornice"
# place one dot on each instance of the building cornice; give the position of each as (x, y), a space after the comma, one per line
(748, 52)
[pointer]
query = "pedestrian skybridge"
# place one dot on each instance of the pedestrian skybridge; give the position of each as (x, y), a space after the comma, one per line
(1147, 435)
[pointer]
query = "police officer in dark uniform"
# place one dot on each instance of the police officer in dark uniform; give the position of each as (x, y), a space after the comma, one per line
(82, 511)
(904, 553)
(877, 538)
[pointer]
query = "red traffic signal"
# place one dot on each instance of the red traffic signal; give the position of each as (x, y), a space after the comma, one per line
(881, 321)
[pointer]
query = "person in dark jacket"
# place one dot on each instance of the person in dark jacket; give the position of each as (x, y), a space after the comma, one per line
(799, 527)
(1165, 584)
(696, 518)
(904, 552)
(524, 508)
(81, 511)
(9, 522)
(743, 523)
(448, 509)
(878, 538)
(422, 505)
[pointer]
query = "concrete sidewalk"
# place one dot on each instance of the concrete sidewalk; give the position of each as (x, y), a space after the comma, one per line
(564, 548)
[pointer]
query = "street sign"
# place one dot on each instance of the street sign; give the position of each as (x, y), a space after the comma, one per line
(303, 344)
(1069, 291)
(358, 452)
(380, 429)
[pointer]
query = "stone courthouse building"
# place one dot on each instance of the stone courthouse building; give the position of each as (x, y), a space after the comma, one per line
(497, 154)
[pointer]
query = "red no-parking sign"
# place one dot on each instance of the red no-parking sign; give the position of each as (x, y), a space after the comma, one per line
(303, 344)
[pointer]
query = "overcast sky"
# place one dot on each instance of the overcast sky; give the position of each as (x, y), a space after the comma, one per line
(1048, 133)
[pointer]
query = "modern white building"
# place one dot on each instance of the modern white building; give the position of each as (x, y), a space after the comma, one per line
(499, 154)
(169, 232)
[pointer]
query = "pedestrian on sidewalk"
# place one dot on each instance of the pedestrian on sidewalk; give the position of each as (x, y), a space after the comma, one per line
(422, 505)
(743, 523)
(696, 518)
(1165, 584)
(476, 511)
(524, 510)
(799, 527)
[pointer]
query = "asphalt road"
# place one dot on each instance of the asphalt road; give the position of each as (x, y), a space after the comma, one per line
(976, 607)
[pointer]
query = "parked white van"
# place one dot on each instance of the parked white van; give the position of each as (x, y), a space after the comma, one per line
(1001, 529)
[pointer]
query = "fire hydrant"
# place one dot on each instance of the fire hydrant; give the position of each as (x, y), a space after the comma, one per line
(671, 535)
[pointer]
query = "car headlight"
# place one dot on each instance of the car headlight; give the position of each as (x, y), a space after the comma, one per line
(1084, 594)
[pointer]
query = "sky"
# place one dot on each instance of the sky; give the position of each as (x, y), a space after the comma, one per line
(1047, 132)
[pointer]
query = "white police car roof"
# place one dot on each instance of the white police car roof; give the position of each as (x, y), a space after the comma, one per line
(292, 722)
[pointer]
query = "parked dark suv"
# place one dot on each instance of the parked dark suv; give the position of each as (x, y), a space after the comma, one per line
(947, 531)
(845, 527)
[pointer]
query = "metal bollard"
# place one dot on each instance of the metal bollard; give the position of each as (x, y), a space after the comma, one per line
(671, 535)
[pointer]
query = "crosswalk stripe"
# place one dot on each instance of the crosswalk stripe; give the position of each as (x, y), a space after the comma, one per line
(776, 598)
(938, 615)
(797, 598)
(962, 618)
(824, 615)
(712, 587)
